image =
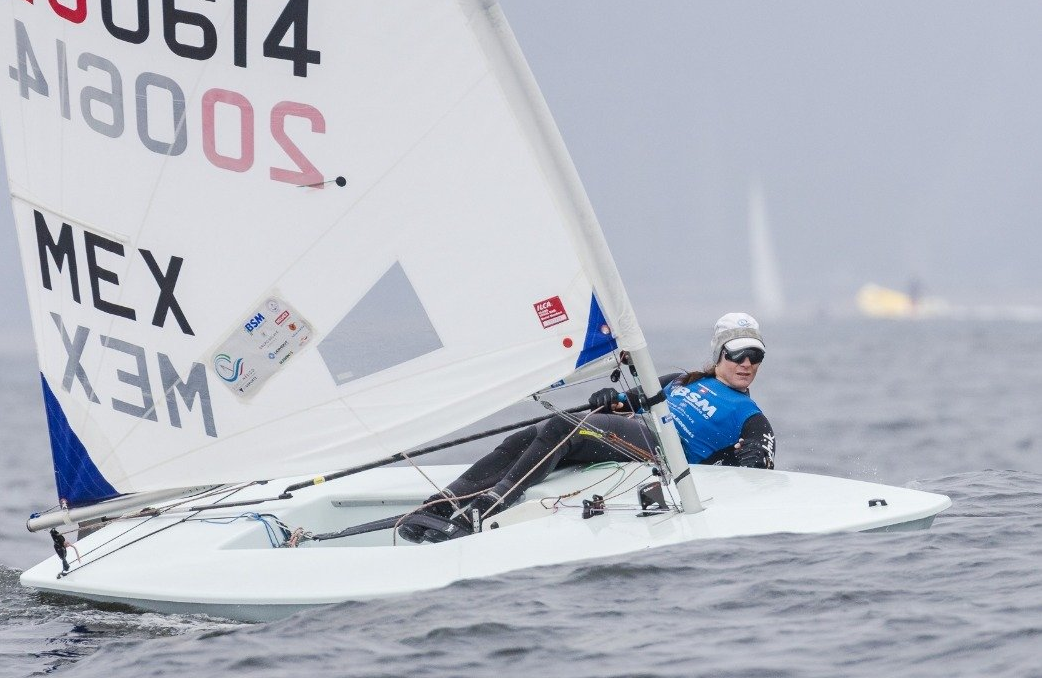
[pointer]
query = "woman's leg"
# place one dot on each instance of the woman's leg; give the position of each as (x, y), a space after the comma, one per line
(491, 468)
(482, 475)
(547, 451)
(524, 459)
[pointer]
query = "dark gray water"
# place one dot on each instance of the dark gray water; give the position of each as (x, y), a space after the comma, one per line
(942, 406)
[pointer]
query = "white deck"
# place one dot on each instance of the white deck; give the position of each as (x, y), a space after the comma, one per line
(231, 570)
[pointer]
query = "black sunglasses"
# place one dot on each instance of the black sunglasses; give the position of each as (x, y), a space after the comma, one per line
(755, 355)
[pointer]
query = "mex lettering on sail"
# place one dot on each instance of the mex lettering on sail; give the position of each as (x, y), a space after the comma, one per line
(62, 253)
(92, 256)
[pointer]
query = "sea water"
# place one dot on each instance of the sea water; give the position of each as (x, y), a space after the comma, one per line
(943, 406)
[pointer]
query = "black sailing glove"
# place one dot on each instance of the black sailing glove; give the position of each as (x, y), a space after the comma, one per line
(755, 454)
(604, 399)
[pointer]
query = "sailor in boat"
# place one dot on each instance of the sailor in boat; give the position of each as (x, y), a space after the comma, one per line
(717, 419)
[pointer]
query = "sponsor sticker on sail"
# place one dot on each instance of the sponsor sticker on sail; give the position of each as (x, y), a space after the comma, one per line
(257, 349)
(551, 312)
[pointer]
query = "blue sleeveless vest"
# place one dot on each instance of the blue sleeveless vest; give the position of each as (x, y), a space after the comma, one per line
(709, 415)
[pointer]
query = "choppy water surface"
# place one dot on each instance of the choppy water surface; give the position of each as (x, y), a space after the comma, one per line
(944, 407)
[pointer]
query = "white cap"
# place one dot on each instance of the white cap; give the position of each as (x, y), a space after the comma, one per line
(735, 331)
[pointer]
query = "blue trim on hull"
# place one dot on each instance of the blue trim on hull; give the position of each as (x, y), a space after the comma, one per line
(79, 481)
(599, 339)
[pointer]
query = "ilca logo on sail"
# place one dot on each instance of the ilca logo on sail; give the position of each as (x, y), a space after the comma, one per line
(227, 368)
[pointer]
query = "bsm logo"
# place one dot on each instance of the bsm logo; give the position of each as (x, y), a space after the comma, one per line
(694, 399)
(254, 322)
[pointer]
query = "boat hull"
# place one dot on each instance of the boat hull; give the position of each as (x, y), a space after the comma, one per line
(224, 564)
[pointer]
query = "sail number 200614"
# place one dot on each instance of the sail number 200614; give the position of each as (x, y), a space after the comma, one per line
(102, 108)
(294, 16)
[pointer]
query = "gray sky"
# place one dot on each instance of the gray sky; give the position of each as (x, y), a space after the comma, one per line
(893, 140)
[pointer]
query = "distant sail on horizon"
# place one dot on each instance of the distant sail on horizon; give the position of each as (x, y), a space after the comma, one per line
(768, 296)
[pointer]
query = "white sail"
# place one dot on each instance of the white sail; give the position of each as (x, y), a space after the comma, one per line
(271, 239)
(768, 296)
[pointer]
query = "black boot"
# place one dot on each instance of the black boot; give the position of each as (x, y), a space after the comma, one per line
(482, 503)
(468, 521)
(450, 529)
(413, 526)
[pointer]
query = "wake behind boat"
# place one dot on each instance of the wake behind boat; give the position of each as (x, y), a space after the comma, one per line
(294, 277)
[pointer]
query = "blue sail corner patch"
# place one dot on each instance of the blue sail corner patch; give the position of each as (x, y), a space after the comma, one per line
(78, 479)
(599, 340)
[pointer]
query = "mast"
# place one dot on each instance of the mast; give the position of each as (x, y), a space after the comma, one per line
(679, 469)
(504, 54)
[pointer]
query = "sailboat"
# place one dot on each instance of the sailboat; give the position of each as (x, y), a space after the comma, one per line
(270, 248)
(878, 302)
(768, 295)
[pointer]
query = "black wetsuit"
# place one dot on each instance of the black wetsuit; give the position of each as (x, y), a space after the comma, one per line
(517, 462)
